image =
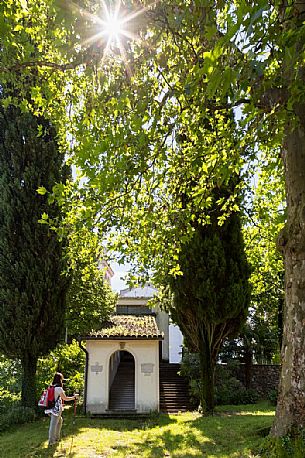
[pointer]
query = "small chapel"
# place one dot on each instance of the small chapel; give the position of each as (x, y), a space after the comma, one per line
(133, 363)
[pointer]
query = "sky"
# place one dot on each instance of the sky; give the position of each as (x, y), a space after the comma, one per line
(117, 283)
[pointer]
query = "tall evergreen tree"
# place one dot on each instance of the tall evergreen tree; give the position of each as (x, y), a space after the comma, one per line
(32, 284)
(210, 299)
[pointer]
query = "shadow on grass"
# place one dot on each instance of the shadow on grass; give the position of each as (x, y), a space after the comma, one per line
(30, 440)
(225, 434)
(204, 437)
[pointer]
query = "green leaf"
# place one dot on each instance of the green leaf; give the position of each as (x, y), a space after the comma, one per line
(41, 190)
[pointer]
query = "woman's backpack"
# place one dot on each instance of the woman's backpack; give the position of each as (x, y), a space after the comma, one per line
(47, 399)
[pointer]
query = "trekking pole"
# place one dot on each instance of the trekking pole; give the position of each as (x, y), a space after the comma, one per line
(74, 416)
(75, 403)
(73, 423)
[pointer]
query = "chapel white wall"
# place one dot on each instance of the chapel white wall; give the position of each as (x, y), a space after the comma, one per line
(146, 382)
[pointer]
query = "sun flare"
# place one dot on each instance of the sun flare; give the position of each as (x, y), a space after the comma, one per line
(113, 26)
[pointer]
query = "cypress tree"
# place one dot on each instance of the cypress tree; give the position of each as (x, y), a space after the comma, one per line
(32, 284)
(210, 300)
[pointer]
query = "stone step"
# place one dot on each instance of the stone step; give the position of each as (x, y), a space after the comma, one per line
(174, 393)
(122, 393)
(130, 414)
(173, 386)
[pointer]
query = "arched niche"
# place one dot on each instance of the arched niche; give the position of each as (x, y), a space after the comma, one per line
(121, 373)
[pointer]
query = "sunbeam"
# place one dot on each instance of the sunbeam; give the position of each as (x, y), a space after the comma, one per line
(111, 27)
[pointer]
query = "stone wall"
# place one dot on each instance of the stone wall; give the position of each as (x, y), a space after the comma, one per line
(261, 377)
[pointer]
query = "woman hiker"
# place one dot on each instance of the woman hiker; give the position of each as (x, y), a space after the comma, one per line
(56, 411)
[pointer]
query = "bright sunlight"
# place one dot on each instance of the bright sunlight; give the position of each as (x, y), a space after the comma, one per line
(114, 24)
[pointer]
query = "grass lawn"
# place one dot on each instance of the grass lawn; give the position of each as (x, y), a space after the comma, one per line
(234, 432)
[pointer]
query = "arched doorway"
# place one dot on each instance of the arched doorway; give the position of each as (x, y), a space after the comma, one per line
(121, 381)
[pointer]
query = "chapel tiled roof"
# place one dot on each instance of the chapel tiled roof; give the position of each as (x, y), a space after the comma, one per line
(128, 327)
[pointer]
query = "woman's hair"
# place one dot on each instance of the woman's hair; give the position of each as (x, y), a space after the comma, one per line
(58, 378)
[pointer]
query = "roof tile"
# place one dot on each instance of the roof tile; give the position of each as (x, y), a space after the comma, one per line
(129, 326)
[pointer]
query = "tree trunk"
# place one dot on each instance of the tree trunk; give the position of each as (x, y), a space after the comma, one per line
(290, 413)
(280, 320)
(207, 369)
(28, 392)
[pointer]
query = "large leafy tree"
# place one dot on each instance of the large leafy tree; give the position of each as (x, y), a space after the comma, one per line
(191, 56)
(32, 283)
(264, 219)
(90, 299)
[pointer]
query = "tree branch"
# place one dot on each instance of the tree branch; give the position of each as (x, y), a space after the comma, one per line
(40, 63)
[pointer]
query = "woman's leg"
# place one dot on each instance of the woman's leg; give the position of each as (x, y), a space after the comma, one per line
(58, 428)
(53, 429)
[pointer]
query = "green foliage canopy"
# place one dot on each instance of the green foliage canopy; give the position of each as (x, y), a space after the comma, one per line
(90, 300)
(263, 224)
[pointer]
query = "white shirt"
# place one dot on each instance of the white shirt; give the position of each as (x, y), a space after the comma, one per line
(57, 409)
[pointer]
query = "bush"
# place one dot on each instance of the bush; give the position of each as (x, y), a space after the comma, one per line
(8, 400)
(16, 415)
(10, 374)
(190, 365)
(68, 359)
(190, 369)
(11, 412)
(290, 446)
(228, 389)
(233, 392)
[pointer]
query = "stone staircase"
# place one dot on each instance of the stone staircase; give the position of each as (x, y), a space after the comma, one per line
(174, 394)
(122, 391)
